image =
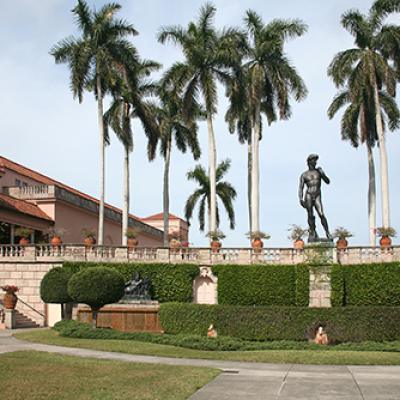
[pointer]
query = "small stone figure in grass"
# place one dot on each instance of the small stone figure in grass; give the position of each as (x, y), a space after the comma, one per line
(212, 332)
(321, 337)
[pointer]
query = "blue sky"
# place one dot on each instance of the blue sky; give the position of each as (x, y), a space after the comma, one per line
(44, 128)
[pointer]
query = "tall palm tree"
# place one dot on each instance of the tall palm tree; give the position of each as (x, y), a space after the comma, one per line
(266, 83)
(130, 102)
(92, 59)
(208, 53)
(368, 64)
(238, 119)
(359, 125)
(172, 128)
(225, 192)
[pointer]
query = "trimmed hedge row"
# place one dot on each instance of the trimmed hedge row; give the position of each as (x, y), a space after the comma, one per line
(278, 285)
(345, 324)
(169, 282)
(367, 284)
(237, 284)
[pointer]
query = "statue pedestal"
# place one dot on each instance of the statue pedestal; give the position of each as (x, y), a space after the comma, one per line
(320, 255)
(135, 316)
(321, 252)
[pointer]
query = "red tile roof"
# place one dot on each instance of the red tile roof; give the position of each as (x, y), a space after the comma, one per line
(160, 216)
(45, 180)
(13, 204)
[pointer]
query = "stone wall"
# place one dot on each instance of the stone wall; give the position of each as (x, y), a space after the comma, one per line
(27, 276)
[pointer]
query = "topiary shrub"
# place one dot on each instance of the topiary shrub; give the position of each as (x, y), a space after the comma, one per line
(54, 290)
(96, 287)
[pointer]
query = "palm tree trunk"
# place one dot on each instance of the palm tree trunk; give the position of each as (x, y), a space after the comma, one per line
(383, 161)
(102, 163)
(255, 173)
(125, 211)
(371, 197)
(212, 159)
(249, 169)
(166, 192)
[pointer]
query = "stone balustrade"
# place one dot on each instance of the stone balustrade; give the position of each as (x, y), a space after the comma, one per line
(195, 255)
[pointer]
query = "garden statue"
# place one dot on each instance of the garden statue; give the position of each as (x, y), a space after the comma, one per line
(312, 198)
(137, 288)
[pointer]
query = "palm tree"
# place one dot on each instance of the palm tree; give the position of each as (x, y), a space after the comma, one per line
(238, 119)
(225, 192)
(368, 65)
(208, 53)
(172, 127)
(92, 59)
(266, 82)
(359, 125)
(129, 102)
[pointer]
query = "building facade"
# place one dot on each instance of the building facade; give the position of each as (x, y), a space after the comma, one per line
(32, 200)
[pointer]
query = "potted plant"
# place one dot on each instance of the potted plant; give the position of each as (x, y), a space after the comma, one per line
(24, 235)
(297, 234)
(55, 235)
(89, 237)
(341, 234)
(174, 240)
(256, 240)
(10, 298)
(215, 237)
(132, 240)
(385, 234)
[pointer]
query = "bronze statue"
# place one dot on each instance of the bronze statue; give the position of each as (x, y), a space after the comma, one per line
(312, 198)
(137, 288)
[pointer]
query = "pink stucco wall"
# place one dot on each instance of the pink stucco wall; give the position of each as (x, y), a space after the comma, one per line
(74, 219)
(174, 225)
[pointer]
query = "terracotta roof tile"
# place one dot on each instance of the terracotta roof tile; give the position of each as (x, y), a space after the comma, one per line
(22, 206)
(160, 216)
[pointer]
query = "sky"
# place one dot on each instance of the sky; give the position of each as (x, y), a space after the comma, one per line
(44, 128)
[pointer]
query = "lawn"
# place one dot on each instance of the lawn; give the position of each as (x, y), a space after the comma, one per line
(350, 356)
(36, 375)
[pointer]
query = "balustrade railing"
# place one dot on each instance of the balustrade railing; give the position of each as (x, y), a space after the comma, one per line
(196, 255)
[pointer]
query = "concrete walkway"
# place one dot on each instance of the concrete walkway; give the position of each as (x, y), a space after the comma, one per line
(251, 381)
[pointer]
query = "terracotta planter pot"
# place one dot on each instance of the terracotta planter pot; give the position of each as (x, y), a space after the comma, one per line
(299, 244)
(24, 242)
(257, 245)
(385, 241)
(89, 241)
(215, 246)
(10, 301)
(132, 243)
(56, 241)
(342, 244)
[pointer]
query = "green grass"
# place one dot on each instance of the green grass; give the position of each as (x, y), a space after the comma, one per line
(354, 354)
(36, 375)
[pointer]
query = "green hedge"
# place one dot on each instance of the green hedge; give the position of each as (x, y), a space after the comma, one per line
(366, 284)
(279, 285)
(302, 285)
(337, 286)
(169, 282)
(344, 324)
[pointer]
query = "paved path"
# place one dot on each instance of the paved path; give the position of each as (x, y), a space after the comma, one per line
(256, 381)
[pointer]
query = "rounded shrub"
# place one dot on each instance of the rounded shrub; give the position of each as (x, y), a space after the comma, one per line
(54, 286)
(96, 287)
(54, 289)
